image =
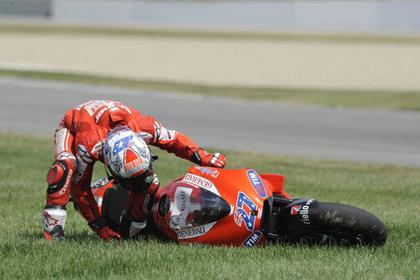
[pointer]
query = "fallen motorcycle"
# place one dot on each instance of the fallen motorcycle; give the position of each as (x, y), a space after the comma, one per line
(242, 208)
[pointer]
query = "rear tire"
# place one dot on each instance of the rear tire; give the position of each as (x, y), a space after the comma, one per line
(337, 224)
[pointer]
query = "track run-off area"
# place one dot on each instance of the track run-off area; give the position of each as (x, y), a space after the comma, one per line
(35, 107)
(215, 57)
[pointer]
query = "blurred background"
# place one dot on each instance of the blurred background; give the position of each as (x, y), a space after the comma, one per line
(293, 55)
(332, 44)
(310, 15)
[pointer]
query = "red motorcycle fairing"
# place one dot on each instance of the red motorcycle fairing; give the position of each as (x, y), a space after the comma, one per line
(241, 208)
(207, 205)
(233, 198)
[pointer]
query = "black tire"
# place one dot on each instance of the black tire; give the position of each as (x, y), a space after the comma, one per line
(338, 224)
(113, 206)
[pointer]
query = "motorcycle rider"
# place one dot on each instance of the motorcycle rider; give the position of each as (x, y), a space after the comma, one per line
(118, 135)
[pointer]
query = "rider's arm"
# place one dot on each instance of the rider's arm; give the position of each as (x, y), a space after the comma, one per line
(169, 140)
(176, 142)
(81, 192)
(83, 197)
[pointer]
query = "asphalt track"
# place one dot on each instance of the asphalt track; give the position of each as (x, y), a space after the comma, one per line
(35, 107)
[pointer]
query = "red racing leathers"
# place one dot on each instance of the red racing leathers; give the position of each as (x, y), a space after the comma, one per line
(79, 143)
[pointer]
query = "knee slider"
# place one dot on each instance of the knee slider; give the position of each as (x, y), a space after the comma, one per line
(59, 175)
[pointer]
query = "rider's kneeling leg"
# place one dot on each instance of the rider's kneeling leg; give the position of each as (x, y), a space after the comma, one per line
(59, 179)
(133, 221)
(140, 201)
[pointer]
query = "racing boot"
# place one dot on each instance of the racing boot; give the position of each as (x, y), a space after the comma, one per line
(54, 219)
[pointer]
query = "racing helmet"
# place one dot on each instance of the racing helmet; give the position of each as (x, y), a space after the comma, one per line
(127, 157)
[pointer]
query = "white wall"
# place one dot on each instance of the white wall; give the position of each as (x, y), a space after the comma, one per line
(322, 15)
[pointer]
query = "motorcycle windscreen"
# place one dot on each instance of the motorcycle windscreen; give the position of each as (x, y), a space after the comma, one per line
(190, 207)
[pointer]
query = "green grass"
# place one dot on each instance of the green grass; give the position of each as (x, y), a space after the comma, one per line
(376, 99)
(48, 28)
(392, 193)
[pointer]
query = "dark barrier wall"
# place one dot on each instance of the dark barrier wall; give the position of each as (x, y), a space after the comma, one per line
(33, 8)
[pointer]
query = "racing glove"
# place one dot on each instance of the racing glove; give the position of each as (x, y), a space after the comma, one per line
(152, 182)
(130, 228)
(204, 158)
(100, 228)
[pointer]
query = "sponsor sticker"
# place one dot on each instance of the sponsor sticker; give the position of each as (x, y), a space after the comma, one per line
(194, 231)
(304, 212)
(93, 106)
(180, 208)
(213, 172)
(122, 144)
(252, 239)
(295, 210)
(200, 182)
(99, 107)
(257, 183)
(245, 212)
(134, 166)
(67, 183)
